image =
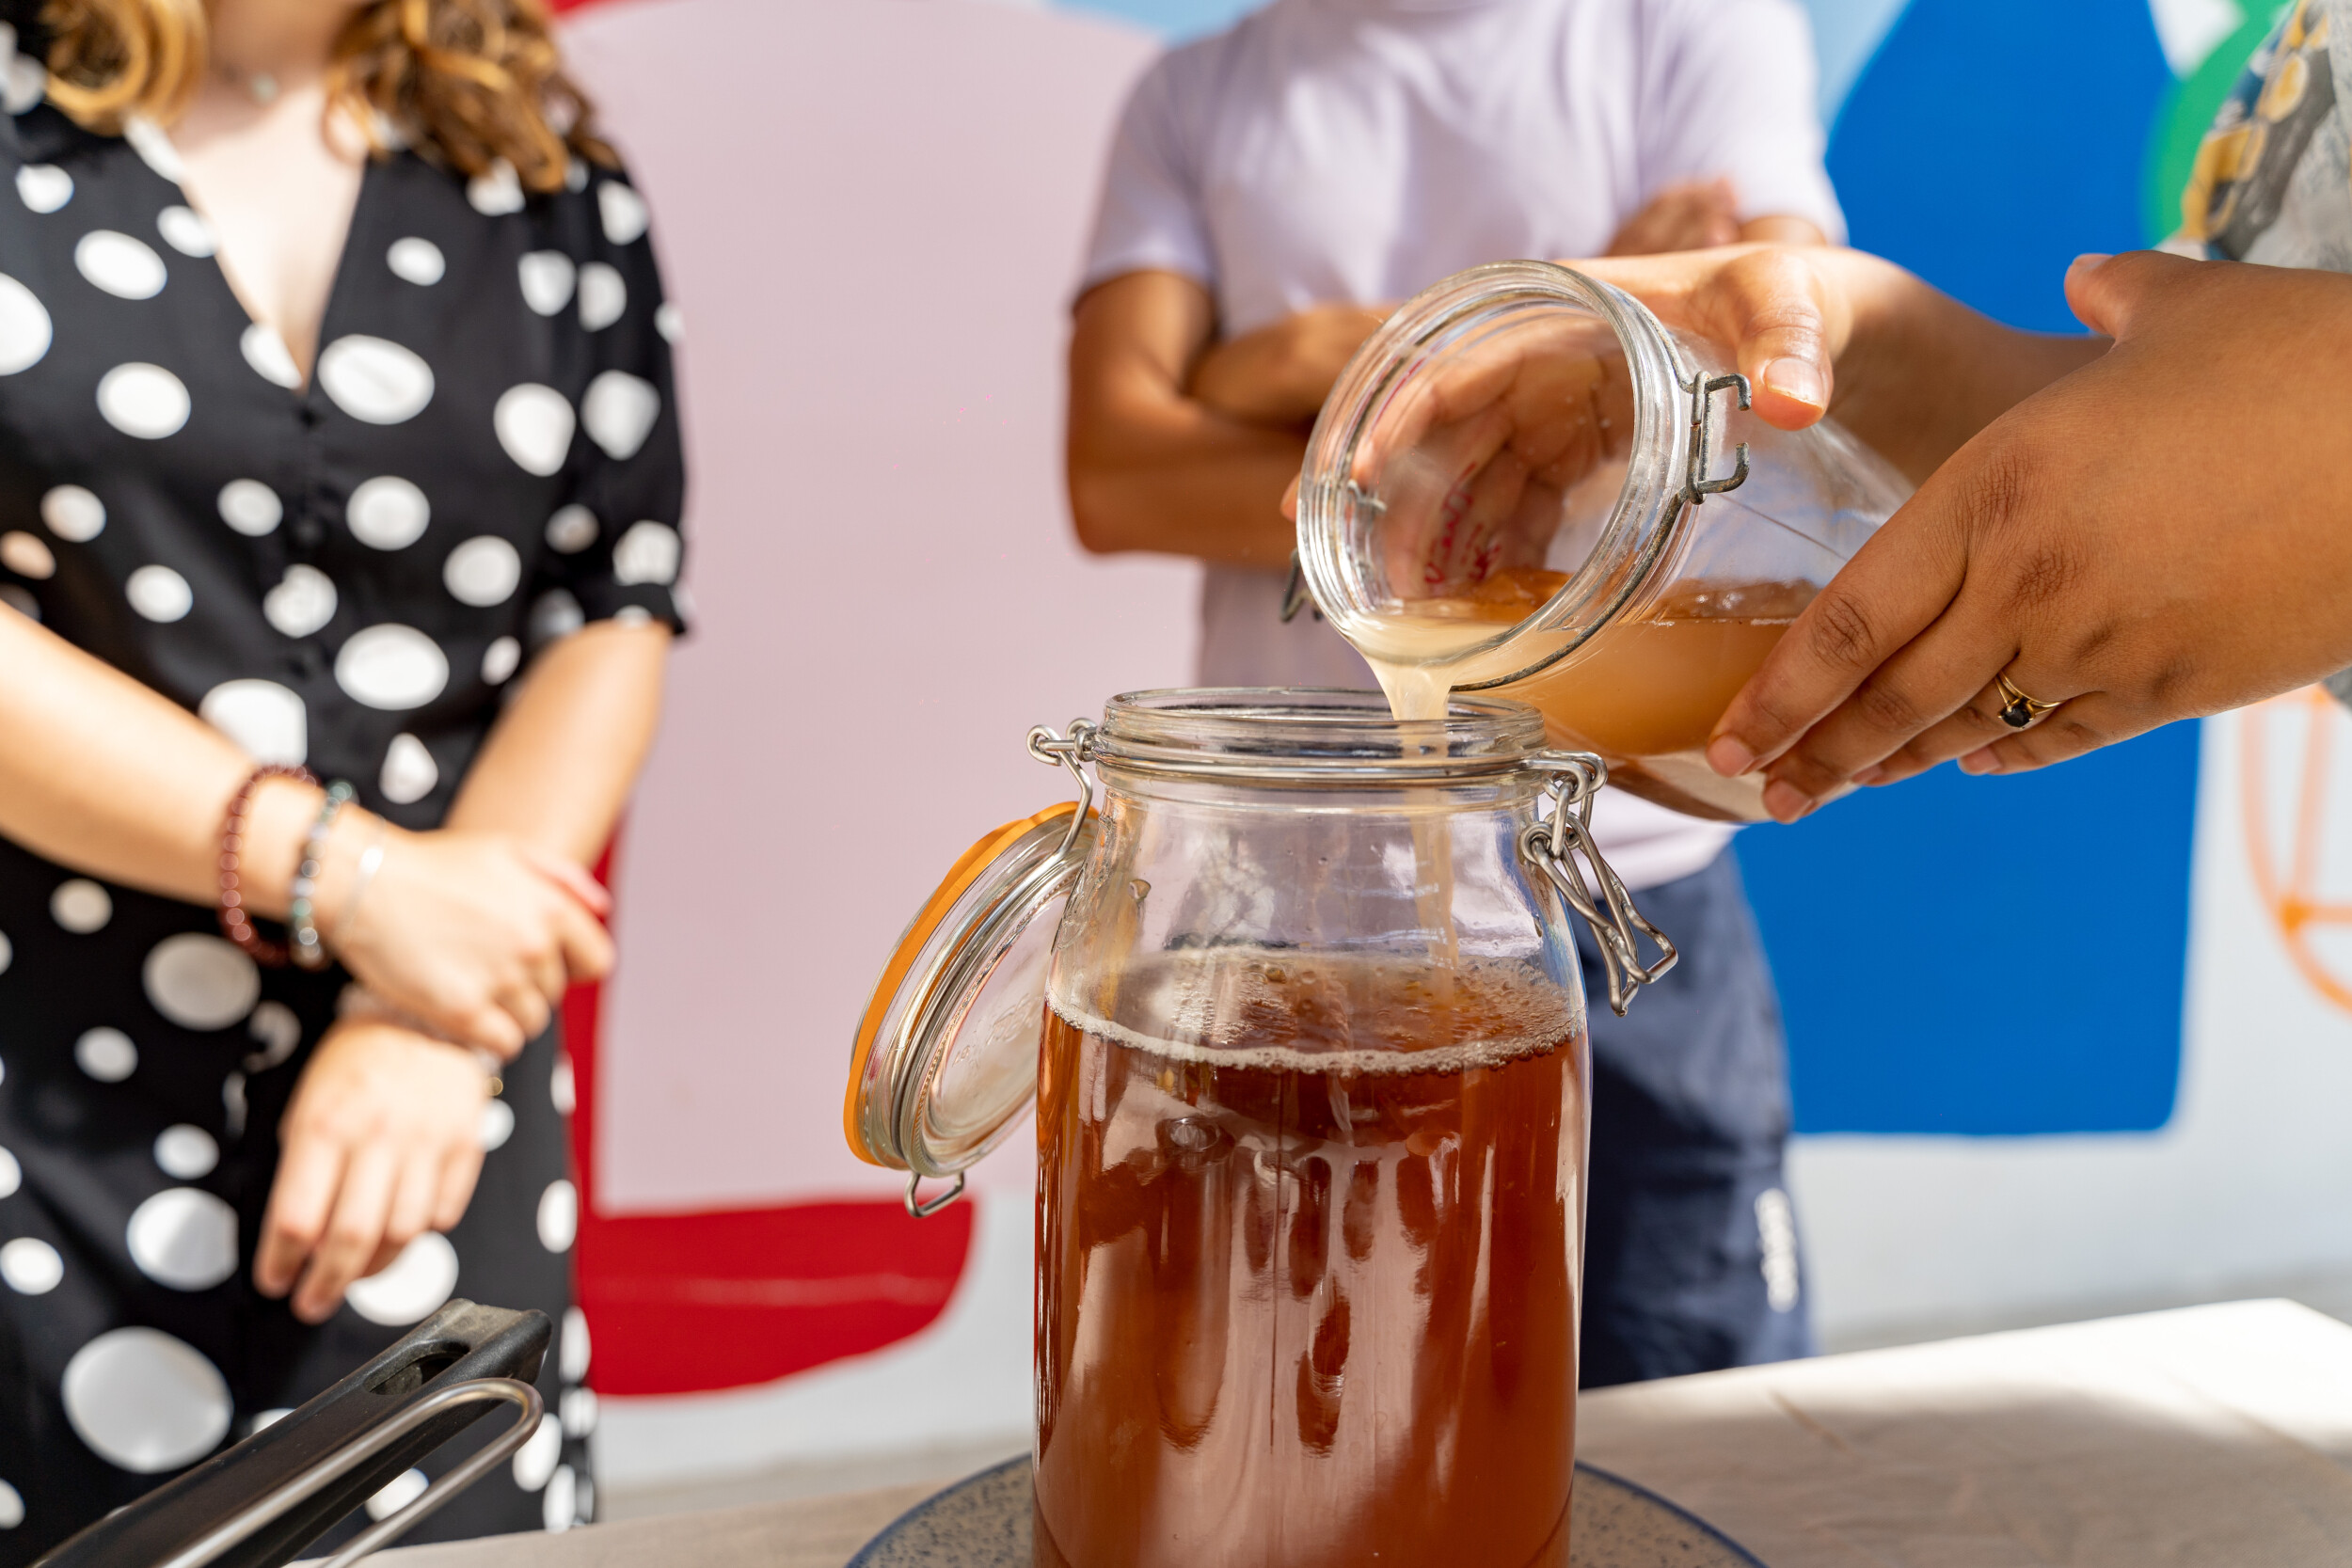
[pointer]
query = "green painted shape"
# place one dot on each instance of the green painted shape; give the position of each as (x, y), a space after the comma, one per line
(2185, 114)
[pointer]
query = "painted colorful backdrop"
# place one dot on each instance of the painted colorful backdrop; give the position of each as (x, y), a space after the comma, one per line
(2078, 1038)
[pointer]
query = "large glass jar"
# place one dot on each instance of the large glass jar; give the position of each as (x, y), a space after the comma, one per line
(1525, 483)
(1312, 1110)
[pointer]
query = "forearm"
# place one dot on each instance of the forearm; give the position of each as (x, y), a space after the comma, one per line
(560, 762)
(1921, 372)
(1186, 481)
(104, 775)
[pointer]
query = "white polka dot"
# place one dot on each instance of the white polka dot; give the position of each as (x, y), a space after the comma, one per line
(496, 191)
(482, 572)
(24, 327)
(559, 1215)
(26, 555)
(669, 322)
(145, 401)
(251, 507)
(81, 905)
(575, 175)
(271, 360)
(24, 83)
(201, 981)
(572, 529)
(73, 514)
(11, 1507)
(498, 1124)
(232, 1105)
(396, 1493)
(546, 277)
(186, 1153)
(632, 615)
(619, 412)
(8, 956)
(30, 1266)
(184, 1238)
(416, 261)
(554, 614)
(124, 267)
(603, 295)
(577, 1409)
(44, 187)
(500, 660)
(388, 513)
(649, 552)
(562, 1089)
(159, 593)
(265, 1419)
(572, 1356)
(148, 140)
(11, 1174)
(266, 721)
(391, 667)
(375, 381)
(534, 425)
(186, 231)
(145, 1401)
(562, 1497)
(278, 1031)
(409, 771)
(623, 211)
(411, 1286)
(107, 1054)
(20, 600)
(535, 1460)
(303, 601)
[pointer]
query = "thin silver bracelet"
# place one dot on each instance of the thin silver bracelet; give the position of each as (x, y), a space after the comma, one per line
(307, 951)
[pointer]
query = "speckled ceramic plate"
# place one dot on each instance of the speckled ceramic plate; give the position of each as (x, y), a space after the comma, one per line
(984, 1523)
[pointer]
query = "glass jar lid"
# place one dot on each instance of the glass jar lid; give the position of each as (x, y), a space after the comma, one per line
(945, 1063)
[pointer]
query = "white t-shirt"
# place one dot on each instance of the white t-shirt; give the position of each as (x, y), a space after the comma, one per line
(1326, 152)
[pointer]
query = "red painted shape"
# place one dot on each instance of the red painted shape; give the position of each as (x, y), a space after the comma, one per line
(682, 1303)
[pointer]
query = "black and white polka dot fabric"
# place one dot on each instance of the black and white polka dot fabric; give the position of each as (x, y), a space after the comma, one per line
(346, 573)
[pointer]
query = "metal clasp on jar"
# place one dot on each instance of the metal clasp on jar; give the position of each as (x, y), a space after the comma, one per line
(1696, 486)
(1561, 848)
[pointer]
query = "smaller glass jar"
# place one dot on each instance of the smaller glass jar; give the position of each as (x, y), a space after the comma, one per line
(1519, 485)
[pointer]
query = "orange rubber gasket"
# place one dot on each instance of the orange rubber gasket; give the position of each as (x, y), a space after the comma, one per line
(984, 853)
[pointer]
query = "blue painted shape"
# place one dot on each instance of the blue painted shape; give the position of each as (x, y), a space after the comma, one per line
(1174, 20)
(1993, 957)
(1989, 142)
(1997, 956)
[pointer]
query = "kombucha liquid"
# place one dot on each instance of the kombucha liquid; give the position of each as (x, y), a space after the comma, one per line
(1306, 1293)
(1644, 693)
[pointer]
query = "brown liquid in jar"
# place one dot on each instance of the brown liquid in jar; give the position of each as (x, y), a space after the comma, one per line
(1644, 693)
(1307, 1298)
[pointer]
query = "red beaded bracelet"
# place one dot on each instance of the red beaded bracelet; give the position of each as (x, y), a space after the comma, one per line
(234, 923)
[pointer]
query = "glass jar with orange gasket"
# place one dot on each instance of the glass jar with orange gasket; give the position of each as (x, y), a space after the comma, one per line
(1302, 1019)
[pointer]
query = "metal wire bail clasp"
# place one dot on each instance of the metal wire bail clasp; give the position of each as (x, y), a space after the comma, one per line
(1068, 751)
(1696, 486)
(1562, 849)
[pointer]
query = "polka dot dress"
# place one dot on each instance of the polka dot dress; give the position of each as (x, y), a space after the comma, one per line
(347, 573)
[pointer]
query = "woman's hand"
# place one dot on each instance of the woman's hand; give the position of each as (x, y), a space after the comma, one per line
(1279, 374)
(381, 1143)
(1689, 214)
(2163, 533)
(474, 934)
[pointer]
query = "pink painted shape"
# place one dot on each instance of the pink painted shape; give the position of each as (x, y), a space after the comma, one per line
(870, 215)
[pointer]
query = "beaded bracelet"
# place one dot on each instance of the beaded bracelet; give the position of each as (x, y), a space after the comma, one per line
(234, 923)
(309, 952)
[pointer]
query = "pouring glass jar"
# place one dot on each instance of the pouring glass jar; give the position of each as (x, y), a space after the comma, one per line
(1311, 1090)
(1517, 486)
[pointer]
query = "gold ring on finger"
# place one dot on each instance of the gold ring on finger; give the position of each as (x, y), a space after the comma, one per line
(2019, 711)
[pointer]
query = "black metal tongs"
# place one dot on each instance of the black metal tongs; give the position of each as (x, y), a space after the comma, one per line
(257, 1504)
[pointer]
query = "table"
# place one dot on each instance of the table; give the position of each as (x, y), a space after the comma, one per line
(2211, 1437)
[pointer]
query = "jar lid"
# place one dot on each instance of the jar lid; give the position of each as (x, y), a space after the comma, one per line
(945, 1059)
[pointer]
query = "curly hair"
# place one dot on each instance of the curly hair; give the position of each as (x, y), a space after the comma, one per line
(467, 83)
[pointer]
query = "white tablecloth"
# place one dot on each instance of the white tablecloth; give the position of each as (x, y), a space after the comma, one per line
(2214, 1438)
